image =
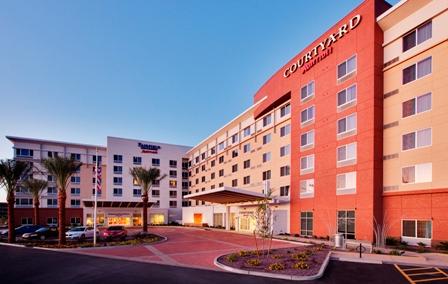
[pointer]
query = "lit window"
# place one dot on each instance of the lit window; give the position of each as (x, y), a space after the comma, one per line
(173, 183)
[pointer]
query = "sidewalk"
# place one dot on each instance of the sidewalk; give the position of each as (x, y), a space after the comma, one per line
(412, 259)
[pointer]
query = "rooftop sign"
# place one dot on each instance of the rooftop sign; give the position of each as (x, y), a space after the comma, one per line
(148, 148)
(323, 49)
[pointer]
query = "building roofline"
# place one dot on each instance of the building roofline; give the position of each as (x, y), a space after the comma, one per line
(146, 141)
(252, 107)
(391, 10)
(35, 140)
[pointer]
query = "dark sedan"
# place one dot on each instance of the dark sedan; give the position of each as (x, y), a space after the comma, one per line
(23, 230)
(42, 234)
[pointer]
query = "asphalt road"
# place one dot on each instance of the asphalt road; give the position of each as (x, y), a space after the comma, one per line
(26, 265)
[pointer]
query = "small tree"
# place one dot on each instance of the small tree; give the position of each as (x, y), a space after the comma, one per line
(11, 173)
(62, 169)
(145, 178)
(264, 224)
(381, 230)
(36, 187)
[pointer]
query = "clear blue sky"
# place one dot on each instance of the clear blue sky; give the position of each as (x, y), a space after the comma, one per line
(169, 71)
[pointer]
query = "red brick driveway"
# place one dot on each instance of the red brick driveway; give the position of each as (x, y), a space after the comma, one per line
(191, 247)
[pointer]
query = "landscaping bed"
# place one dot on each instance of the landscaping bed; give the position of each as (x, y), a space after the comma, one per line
(146, 239)
(295, 261)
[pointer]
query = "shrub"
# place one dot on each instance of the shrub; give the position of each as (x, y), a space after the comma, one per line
(276, 266)
(377, 251)
(297, 235)
(300, 256)
(245, 252)
(253, 262)
(403, 245)
(232, 257)
(276, 256)
(301, 265)
(421, 247)
(308, 252)
(391, 241)
(443, 245)
(396, 252)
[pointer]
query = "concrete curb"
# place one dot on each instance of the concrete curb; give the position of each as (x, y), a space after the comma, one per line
(12, 245)
(274, 275)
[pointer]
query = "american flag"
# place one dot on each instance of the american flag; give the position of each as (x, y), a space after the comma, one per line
(98, 178)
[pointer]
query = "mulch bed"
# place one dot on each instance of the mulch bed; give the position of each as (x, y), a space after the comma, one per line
(280, 261)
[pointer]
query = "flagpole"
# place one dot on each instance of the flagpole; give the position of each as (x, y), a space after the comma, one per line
(96, 198)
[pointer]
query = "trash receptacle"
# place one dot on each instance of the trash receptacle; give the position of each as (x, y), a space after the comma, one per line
(338, 240)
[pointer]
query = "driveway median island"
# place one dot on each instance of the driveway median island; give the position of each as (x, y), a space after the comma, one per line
(296, 263)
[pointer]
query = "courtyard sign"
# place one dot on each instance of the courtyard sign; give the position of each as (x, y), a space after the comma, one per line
(323, 49)
(148, 148)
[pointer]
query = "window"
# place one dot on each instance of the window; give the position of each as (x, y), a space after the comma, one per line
(346, 153)
(173, 183)
(27, 221)
(93, 192)
(246, 164)
(235, 168)
(417, 36)
(137, 160)
(346, 182)
(173, 204)
(246, 180)
(75, 221)
(173, 164)
(347, 124)
(416, 105)
(94, 159)
(246, 131)
(234, 183)
(51, 154)
(284, 190)
(26, 201)
(196, 159)
(267, 175)
(234, 138)
(155, 193)
(52, 190)
(203, 156)
(418, 139)
(266, 157)
(118, 170)
(50, 178)
(75, 156)
(221, 146)
(285, 130)
(137, 192)
(118, 159)
(196, 170)
(306, 187)
(347, 96)
(307, 91)
(284, 150)
(213, 163)
(306, 223)
(267, 138)
(417, 71)
(52, 202)
(417, 173)
(75, 191)
(24, 152)
(417, 229)
(221, 159)
(173, 194)
(52, 221)
(75, 202)
(284, 171)
(203, 168)
(285, 110)
(246, 147)
(212, 176)
(221, 184)
(118, 180)
(118, 191)
(347, 67)
(203, 179)
(234, 153)
(185, 185)
(155, 162)
(221, 172)
(307, 115)
(346, 223)
(267, 120)
(307, 163)
(75, 179)
(307, 139)
(173, 174)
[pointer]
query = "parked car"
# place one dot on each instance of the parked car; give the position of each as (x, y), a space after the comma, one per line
(80, 233)
(115, 232)
(23, 230)
(42, 234)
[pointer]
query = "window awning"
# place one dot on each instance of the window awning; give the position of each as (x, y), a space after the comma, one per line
(115, 204)
(226, 195)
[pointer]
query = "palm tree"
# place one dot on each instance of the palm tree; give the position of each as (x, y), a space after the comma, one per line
(62, 169)
(36, 186)
(145, 178)
(11, 173)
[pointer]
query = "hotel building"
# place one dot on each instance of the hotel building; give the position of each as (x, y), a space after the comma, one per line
(120, 200)
(363, 133)
(346, 135)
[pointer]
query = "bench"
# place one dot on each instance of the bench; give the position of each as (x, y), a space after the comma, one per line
(355, 245)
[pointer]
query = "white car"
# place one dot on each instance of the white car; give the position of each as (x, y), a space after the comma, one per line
(80, 233)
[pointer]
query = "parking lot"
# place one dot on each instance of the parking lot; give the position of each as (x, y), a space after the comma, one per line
(416, 275)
